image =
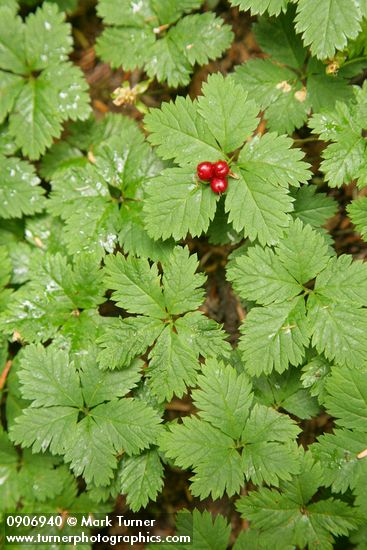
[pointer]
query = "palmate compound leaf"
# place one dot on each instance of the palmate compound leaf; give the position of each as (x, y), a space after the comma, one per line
(54, 295)
(288, 516)
(109, 190)
(221, 447)
(176, 343)
(112, 423)
(37, 105)
(210, 128)
(332, 306)
(276, 82)
(168, 51)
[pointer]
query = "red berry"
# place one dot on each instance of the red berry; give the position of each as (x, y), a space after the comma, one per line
(221, 169)
(218, 185)
(205, 170)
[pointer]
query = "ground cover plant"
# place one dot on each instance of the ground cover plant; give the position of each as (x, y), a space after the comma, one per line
(183, 285)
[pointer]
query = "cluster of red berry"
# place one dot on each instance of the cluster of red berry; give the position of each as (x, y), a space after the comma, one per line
(216, 173)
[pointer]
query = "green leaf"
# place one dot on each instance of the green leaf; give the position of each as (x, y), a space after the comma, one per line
(10, 87)
(208, 531)
(96, 426)
(203, 335)
(129, 424)
(303, 252)
(89, 452)
(97, 230)
(260, 276)
(258, 207)
(57, 290)
(35, 120)
(45, 428)
(257, 466)
(266, 424)
(338, 21)
(325, 89)
(12, 54)
(285, 391)
(50, 480)
(344, 280)
(286, 514)
(176, 205)
(9, 489)
(136, 285)
(274, 7)
(330, 324)
(124, 13)
(140, 478)
(122, 340)
(168, 56)
(347, 397)
(173, 365)
(337, 455)
(72, 90)
(168, 62)
(99, 386)
(277, 37)
(275, 88)
(271, 157)
(47, 38)
(217, 462)
(274, 337)
(19, 190)
(48, 379)
(134, 238)
(182, 285)
(227, 112)
(168, 11)
(315, 375)
(224, 398)
(357, 210)
(342, 160)
(110, 46)
(201, 37)
(180, 133)
(313, 208)
(193, 441)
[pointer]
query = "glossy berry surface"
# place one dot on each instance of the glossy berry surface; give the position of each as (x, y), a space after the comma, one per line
(221, 169)
(205, 170)
(218, 185)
